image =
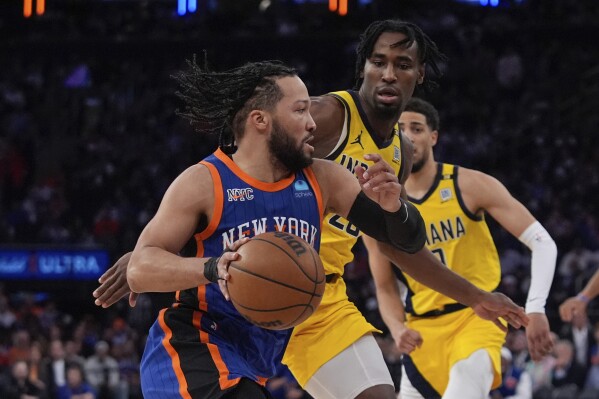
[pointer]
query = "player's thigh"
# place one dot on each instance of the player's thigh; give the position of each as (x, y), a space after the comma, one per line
(359, 371)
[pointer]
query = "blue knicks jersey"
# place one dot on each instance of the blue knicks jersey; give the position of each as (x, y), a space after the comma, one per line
(243, 207)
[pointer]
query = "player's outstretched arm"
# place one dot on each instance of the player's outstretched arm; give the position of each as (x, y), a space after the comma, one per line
(372, 203)
(426, 268)
(486, 192)
(578, 303)
(389, 299)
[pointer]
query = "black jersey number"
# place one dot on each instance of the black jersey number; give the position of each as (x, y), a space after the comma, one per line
(343, 225)
(441, 254)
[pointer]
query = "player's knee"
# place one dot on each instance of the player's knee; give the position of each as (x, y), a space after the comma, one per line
(471, 377)
(476, 366)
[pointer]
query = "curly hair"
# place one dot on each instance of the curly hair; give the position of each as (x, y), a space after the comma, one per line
(219, 102)
(428, 53)
(425, 108)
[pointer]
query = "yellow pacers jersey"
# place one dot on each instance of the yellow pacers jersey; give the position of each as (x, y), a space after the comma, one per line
(338, 235)
(459, 238)
(337, 323)
(464, 244)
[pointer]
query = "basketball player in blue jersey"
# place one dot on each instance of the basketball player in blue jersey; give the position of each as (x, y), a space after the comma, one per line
(201, 347)
(334, 354)
(448, 351)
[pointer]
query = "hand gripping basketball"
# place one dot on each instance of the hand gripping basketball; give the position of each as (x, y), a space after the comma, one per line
(216, 268)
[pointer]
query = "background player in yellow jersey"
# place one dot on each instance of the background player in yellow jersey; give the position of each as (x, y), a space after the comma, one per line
(333, 354)
(449, 352)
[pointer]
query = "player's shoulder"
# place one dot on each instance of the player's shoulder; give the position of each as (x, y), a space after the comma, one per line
(195, 179)
(327, 172)
(324, 166)
(326, 107)
(329, 116)
(476, 183)
(473, 175)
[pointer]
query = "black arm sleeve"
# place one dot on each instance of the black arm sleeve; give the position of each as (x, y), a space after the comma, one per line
(403, 229)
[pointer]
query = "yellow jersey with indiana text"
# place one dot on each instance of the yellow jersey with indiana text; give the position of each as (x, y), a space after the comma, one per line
(460, 239)
(337, 323)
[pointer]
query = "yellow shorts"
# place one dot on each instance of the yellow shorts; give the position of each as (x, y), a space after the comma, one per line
(448, 339)
(335, 325)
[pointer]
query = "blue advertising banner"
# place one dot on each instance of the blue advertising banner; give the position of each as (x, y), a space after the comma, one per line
(52, 264)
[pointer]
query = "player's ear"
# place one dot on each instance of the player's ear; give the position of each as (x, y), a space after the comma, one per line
(434, 137)
(260, 120)
(421, 72)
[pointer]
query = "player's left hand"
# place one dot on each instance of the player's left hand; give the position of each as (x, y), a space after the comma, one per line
(380, 183)
(538, 336)
(223, 265)
(492, 306)
(114, 285)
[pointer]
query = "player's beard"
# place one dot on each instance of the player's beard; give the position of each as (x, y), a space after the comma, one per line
(419, 164)
(286, 151)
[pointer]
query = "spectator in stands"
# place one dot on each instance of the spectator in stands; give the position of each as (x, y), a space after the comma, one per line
(566, 370)
(7, 316)
(516, 382)
(35, 364)
(76, 387)
(53, 369)
(72, 350)
(517, 344)
(102, 372)
(19, 386)
(21, 346)
(580, 333)
(541, 372)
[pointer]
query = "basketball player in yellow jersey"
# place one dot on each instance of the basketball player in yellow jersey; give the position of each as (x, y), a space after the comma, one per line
(333, 354)
(448, 351)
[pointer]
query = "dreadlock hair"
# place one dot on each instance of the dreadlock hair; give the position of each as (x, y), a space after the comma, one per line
(220, 102)
(428, 53)
(425, 108)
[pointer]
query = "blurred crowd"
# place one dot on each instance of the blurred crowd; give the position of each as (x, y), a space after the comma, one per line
(90, 140)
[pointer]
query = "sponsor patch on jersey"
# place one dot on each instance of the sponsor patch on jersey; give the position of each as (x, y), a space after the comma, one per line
(396, 154)
(240, 194)
(301, 189)
(445, 194)
(301, 185)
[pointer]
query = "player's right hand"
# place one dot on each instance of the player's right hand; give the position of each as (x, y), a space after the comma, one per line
(223, 265)
(114, 285)
(570, 307)
(407, 340)
(380, 183)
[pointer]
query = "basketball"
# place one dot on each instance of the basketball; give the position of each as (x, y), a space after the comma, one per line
(277, 282)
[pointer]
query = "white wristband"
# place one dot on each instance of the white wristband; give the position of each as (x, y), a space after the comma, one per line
(542, 265)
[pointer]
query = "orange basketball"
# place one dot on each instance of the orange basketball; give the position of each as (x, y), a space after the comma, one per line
(277, 282)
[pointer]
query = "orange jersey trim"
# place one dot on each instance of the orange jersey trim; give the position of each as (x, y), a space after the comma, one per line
(316, 187)
(269, 187)
(217, 212)
(166, 342)
(202, 304)
(223, 371)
